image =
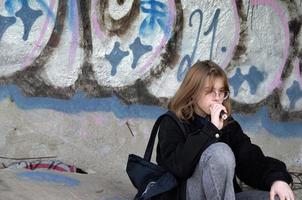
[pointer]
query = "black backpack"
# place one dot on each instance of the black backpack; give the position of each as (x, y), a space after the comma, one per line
(147, 177)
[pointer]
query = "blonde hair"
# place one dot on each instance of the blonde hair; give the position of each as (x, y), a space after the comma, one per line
(184, 100)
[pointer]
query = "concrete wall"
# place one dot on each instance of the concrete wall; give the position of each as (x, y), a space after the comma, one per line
(85, 80)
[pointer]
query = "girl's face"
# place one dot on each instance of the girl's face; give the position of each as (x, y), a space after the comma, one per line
(210, 94)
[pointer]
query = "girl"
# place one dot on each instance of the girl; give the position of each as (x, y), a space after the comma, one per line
(213, 152)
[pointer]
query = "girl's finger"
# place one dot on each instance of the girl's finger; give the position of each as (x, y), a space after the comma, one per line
(272, 195)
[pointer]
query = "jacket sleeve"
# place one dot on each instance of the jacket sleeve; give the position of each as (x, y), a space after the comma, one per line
(252, 166)
(180, 153)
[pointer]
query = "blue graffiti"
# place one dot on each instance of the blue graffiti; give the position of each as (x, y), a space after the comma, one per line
(115, 57)
(182, 70)
(261, 120)
(10, 6)
(72, 9)
(236, 81)
(28, 17)
(138, 49)
(79, 102)
(49, 177)
(213, 28)
(254, 78)
(294, 93)
(157, 15)
(5, 23)
(47, 10)
(223, 49)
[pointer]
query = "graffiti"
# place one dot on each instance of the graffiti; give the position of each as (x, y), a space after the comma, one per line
(46, 9)
(5, 23)
(54, 165)
(254, 78)
(156, 17)
(141, 53)
(138, 49)
(189, 59)
(9, 6)
(297, 71)
(28, 17)
(49, 177)
(95, 24)
(74, 25)
(261, 119)
(80, 103)
(212, 28)
(68, 49)
(280, 13)
(115, 57)
(294, 93)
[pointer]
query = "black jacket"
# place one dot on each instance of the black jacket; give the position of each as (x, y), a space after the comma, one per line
(179, 153)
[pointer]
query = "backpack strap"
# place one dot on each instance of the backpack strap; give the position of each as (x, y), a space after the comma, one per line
(149, 149)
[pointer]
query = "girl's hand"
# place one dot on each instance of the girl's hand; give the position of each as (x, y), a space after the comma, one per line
(215, 110)
(283, 191)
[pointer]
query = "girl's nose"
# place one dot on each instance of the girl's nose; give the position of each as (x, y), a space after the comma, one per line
(216, 96)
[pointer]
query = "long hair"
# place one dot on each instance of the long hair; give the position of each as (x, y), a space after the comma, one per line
(184, 101)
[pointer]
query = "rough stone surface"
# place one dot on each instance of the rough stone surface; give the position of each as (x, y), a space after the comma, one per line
(84, 81)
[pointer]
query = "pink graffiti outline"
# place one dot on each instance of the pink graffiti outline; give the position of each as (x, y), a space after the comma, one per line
(75, 33)
(297, 71)
(164, 40)
(29, 57)
(96, 26)
(278, 10)
(236, 37)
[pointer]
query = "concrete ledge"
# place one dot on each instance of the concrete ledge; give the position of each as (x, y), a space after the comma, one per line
(51, 185)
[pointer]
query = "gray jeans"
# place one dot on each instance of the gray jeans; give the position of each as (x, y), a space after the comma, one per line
(213, 177)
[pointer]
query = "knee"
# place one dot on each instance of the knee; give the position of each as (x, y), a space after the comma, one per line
(221, 156)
